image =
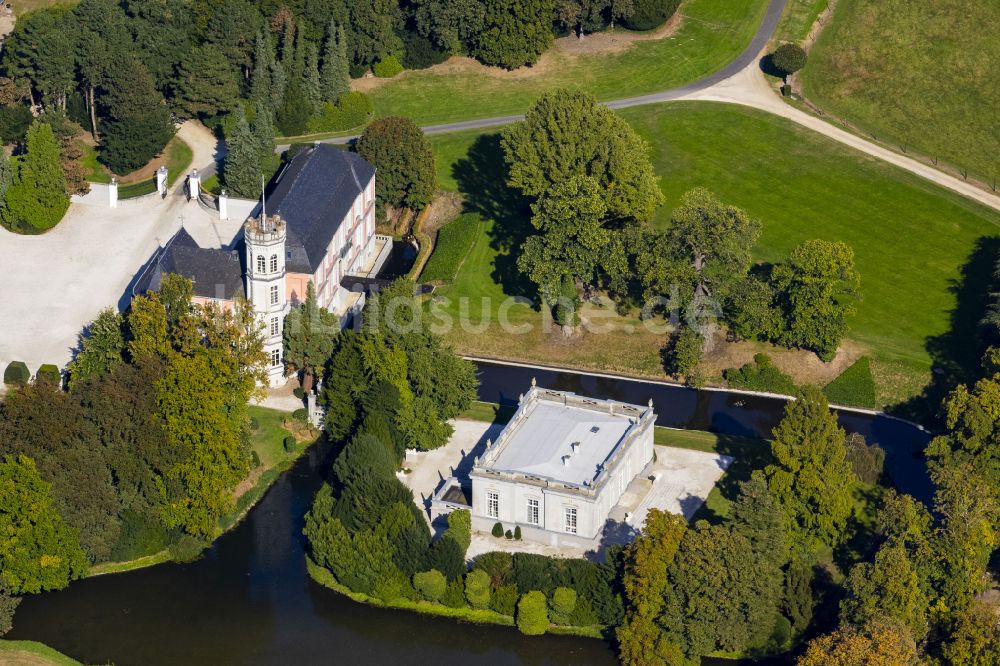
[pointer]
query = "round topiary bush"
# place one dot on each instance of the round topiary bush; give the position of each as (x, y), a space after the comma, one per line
(301, 415)
(532, 614)
(497, 530)
(16, 374)
(298, 392)
(49, 373)
(517, 532)
(387, 67)
(509, 535)
(430, 584)
(649, 14)
(289, 443)
(789, 58)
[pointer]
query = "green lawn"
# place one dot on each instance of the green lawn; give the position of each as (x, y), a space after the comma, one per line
(454, 241)
(916, 74)
(32, 653)
(798, 19)
(855, 387)
(179, 158)
(923, 253)
(94, 170)
(712, 34)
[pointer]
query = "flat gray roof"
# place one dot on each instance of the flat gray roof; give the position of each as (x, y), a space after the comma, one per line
(538, 443)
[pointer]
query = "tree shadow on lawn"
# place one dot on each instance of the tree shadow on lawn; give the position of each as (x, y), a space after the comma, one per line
(482, 180)
(956, 355)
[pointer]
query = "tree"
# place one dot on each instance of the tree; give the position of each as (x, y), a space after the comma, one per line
(102, 33)
(532, 614)
(38, 551)
(373, 33)
(645, 582)
(137, 125)
(101, 350)
(573, 241)
(231, 28)
(877, 644)
(811, 476)
(683, 353)
(756, 514)
(404, 159)
(335, 77)
(709, 245)
(8, 605)
(164, 33)
(723, 595)
(889, 587)
(975, 640)
(430, 584)
(147, 325)
(514, 34)
(817, 287)
(649, 14)
(36, 198)
(563, 604)
(567, 133)
(242, 169)
(294, 112)
(789, 58)
(311, 86)
(263, 135)
(267, 83)
(308, 337)
(450, 24)
(41, 49)
(477, 589)
(205, 83)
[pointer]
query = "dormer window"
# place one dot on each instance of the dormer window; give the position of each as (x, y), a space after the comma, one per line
(274, 263)
(261, 264)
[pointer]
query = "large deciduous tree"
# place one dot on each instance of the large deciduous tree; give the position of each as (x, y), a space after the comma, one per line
(404, 159)
(818, 285)
(38, 551)
(881, 643)
(567, 133)
(811, 475)
(889, 587)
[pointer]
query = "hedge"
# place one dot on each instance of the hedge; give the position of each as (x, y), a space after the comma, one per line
(289, 443)
(387, 67)
(16, 373)
(351, 110)
(855, 387)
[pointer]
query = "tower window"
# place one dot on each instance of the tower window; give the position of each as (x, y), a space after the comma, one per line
(274, 263)
(261, 263)
(274, 295)
(275, 326)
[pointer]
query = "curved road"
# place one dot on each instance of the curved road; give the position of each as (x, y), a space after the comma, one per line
(741, 82)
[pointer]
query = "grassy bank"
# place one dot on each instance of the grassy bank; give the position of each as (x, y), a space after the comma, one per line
(920, 298)
(711, 34)
(323, 577)
(918, 77)
(30, 653)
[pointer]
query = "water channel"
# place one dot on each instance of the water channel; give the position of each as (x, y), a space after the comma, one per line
(250, 601)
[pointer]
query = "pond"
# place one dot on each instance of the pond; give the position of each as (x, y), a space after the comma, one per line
(250, 601)
(400, 260)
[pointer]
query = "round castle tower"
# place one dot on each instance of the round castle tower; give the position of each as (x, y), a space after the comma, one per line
(265, 286)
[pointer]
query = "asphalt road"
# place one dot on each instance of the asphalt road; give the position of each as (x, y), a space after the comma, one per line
(757, 44)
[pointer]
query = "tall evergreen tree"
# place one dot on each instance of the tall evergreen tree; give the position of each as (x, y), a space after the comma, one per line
(310, 77)
(261, 81)
(36, 198)
(205, 84)
(101, 350)
(335, 77)
(263, 134)
(242, 168)
(308, 335)
(138, 124)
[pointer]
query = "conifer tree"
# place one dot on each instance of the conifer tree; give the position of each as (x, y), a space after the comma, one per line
(36, 199)
(335, 77)
(262, 129)
(261, 88)
(310, 77)
(242, 168)
(138, 124)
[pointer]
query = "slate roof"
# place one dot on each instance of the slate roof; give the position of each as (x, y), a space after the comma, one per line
(312, 195)
(214, 273)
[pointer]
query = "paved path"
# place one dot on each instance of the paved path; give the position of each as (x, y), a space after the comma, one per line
(742, 82)
(63, 278)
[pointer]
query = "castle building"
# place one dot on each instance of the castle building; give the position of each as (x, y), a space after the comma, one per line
(316, 225)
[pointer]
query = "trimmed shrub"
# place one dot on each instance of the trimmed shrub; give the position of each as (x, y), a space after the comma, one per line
(563, 604)
(532, 614)
(430, 584)
(497, 565)
(289, 443)
(454, 595)
(16, 374)
(186, 549)
(477, 588)
(497, 528)
(761, 375)
(789, 58)
(649, 14)
(504, 600)
(49, 373)
(254, 459)
(509, 535)
(420, 52)
(301, 415)
(298, 392)
(460, 527)
(517, 532)
(351, 110)
(387, 67)
(447, 556)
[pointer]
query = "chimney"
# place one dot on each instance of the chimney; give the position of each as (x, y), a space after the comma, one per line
(565, 460)
(574, 447)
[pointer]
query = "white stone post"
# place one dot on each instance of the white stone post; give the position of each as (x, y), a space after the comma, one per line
(194, 184)
(223, 206)
(113, 193)
(161, 180)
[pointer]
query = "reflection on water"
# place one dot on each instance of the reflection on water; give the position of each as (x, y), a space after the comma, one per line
(249, 600)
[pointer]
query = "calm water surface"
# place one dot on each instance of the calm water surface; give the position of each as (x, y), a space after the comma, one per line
(250, 601)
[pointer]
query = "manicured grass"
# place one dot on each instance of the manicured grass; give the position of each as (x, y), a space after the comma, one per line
(212, 185)
(454, 241)
(915, 74)
(33, 653)
(179, 156)
(131, 565)
(919, 296)
(95, 172)
(712, 34)
(855, 387)
(133, 190)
